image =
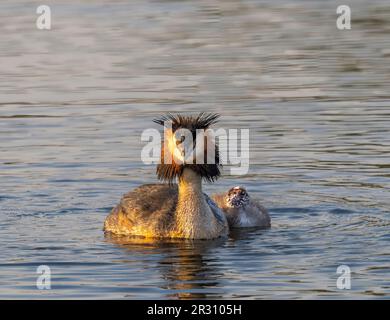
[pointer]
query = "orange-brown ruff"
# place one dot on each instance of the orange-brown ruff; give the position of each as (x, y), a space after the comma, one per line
(173, 210)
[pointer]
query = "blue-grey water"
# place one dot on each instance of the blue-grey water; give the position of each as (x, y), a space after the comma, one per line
(75, 99)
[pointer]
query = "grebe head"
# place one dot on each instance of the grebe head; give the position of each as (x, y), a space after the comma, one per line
(188, 144)
(237, 197)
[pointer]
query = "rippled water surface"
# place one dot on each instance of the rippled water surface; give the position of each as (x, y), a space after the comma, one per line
(74, 101)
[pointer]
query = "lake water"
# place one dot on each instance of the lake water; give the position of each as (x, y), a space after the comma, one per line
(74, 101)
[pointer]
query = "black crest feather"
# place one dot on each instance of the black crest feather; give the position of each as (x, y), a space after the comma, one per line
(209, 172)
(202, 121)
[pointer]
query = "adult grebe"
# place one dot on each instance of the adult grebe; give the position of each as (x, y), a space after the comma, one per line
(174, 210)
(241, 210)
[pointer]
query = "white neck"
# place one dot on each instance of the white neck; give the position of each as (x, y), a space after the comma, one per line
(193, 215)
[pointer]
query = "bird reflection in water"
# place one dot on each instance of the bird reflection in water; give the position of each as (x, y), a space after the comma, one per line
(188, 267)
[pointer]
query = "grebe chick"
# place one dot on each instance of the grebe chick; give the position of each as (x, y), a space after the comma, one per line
(174, 210)
(240, 210)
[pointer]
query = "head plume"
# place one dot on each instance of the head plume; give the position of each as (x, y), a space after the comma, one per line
(168, 171)
(202, 121)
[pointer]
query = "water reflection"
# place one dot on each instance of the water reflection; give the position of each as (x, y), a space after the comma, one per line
(238, 235)
(187, 267)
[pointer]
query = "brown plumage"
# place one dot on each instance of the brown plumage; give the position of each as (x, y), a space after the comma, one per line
(173, 210)
(170, 171)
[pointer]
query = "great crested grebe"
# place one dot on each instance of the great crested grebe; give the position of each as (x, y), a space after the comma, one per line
(174, 210)
(241, 210)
